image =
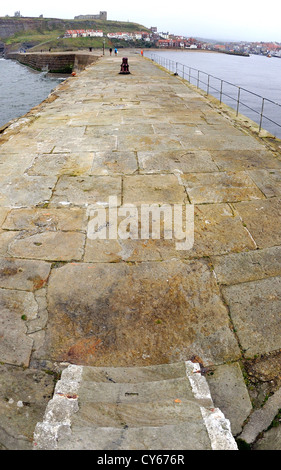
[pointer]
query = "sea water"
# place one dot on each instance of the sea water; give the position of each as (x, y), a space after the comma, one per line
(21, 89)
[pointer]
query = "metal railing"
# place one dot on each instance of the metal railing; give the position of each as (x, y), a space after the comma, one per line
(228, 93)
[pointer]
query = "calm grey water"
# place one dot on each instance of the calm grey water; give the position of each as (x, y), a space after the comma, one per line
(21, 88)
(259, 74)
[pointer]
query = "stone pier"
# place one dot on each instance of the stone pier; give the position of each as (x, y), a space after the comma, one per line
(68, 298)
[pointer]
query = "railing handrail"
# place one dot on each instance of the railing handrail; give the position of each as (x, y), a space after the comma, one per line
(239, 103)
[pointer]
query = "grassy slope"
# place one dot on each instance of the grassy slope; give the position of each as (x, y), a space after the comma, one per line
(46, 33)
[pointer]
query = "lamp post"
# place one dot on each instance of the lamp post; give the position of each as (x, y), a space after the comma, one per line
(103, 47)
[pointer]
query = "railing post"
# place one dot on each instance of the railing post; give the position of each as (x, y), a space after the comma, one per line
(198, 79)
(208, 86)
(189, 75)
(238, 101)
(176, 68)
(221, 91)
(262, 109)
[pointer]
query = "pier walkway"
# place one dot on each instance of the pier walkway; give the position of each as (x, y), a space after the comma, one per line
(67, 298)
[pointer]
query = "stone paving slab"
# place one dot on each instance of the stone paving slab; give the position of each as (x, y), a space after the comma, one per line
(269, 181)
(229, 160)
(220, 187)
(153, 189)
(24, 190)
(40, 219)
(228, 388)
(23, 274)
(248, 266)
(114, 163)
(24, 394)
(180, 160)
(61, 164)
(165, 301)
(16, 308)
(263, 220)
(87, 190)
(255, 312)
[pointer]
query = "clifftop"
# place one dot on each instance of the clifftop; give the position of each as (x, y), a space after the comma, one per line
(33, 31)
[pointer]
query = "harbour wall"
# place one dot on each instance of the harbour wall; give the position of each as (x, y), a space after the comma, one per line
(54, 62)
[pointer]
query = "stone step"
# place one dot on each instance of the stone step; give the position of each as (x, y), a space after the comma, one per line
(91, 410)
(134, 374)
(172, 437)
(158, 413)
(136, 392)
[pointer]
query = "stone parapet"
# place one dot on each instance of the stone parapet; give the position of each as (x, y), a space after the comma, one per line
(54, 62)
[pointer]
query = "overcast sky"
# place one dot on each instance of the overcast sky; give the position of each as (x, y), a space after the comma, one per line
(250, 20)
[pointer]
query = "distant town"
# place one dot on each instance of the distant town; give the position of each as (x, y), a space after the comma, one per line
(167, 40)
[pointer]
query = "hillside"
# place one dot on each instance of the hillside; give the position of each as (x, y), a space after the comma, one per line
(48, 32)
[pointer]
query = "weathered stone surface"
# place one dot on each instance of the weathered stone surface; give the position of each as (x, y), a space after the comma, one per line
(61, 164)
(16, 308)
(269, 181)
(86, 145)
(230, 394)
(263, 220)
(265, 367)
(26, 145)
(87, 190)
(182, 160)
(60, 134)
(52, 246)
(261, 419)
(148, 142)
(114, 163)
(3, 214)
(5, 239)
(23, 274)
(122, 129)
(12, 165)
(225, 142)
(108, 251)
(149, 189)
(24, 395)
(255, 312)
(248, 266)
(238, 160)
(271, 440)
(220, 187)
(216, 231)
(143, 314)
(26, 190)
(38, 219)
